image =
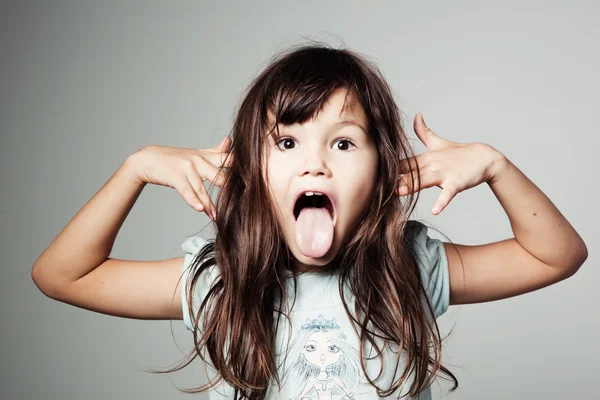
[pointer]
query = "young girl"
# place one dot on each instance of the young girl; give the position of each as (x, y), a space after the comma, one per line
(316, 285)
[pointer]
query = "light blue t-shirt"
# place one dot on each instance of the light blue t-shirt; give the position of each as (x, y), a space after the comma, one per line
(322, 360)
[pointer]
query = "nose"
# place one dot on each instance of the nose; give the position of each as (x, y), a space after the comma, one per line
(316, 164)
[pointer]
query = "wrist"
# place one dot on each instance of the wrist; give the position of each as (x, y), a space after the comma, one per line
(498, 164)
(132, 167)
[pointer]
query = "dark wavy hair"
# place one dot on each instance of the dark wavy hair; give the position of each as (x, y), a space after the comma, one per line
(376, 261)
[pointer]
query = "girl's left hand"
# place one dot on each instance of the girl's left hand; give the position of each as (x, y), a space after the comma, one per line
(451, 166)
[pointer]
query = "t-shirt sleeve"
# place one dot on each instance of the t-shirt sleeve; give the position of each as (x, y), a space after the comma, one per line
(191, 247)
(431, 258)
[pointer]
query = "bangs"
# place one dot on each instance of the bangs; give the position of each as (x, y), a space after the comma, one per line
(302, 82)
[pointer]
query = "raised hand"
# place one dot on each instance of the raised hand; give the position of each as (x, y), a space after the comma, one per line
(451, 166)
(185, 170)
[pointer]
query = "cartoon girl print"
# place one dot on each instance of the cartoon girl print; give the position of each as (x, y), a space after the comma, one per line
(325, 363)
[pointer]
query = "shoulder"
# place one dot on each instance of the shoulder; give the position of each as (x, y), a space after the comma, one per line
(421, 244)
(197, 251)
(193, 244)
(431, 259)
(194, 248)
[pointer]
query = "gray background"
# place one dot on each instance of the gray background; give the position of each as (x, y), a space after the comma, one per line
(84, 85)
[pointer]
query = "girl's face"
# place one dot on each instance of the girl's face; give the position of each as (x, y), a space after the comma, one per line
(320, 351)
(332, 153)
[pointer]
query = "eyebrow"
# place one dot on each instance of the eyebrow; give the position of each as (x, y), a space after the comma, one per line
(348, 123)
(344, 123)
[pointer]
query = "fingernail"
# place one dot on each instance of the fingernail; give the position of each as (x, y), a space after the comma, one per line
(213, 214)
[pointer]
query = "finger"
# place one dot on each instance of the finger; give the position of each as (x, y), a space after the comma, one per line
(195, 176)
(206, 170)
(227, 160)
(197, 185)
(426, 135)
(224, 144)
(222, 149)
(406, 164)
(443, 200)
(419, 125)
(425, 180)
(216, 176)
(219, 159)
(410, 164)
(220, 144)
(187, 192)
(408, 178)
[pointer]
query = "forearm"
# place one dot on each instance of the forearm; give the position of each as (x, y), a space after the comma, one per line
(538, 226)
(88, 238)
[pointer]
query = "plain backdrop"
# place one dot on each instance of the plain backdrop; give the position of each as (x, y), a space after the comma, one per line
(85, 84)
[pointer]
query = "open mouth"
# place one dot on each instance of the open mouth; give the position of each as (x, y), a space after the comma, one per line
(315, 200)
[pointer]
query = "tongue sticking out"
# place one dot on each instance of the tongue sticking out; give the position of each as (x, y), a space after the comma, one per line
(314, 231)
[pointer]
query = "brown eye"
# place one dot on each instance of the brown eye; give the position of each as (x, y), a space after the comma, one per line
(288, 144)
(344, 141)
(285, 141)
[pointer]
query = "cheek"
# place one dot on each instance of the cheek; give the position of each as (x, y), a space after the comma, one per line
(276, 197)
(364, 180)
(359, 189)
(278, 179)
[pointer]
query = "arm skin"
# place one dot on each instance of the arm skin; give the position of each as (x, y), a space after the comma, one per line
(545, 249)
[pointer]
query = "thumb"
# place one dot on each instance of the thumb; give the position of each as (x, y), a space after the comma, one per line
(426, 135)
(223, 144)
(419, 126)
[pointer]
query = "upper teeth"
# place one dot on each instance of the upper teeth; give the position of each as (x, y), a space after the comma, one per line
(313, 193)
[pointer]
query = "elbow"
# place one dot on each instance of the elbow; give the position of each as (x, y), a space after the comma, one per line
(578, 261)
(43, 283)
(37, 279)
(583, 255)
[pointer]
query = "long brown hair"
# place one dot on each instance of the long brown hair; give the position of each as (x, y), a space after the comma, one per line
(240, 313)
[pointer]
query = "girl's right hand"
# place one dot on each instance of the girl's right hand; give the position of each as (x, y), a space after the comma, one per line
(185, 171)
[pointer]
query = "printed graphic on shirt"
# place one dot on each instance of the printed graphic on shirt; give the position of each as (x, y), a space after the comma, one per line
(323, 364)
